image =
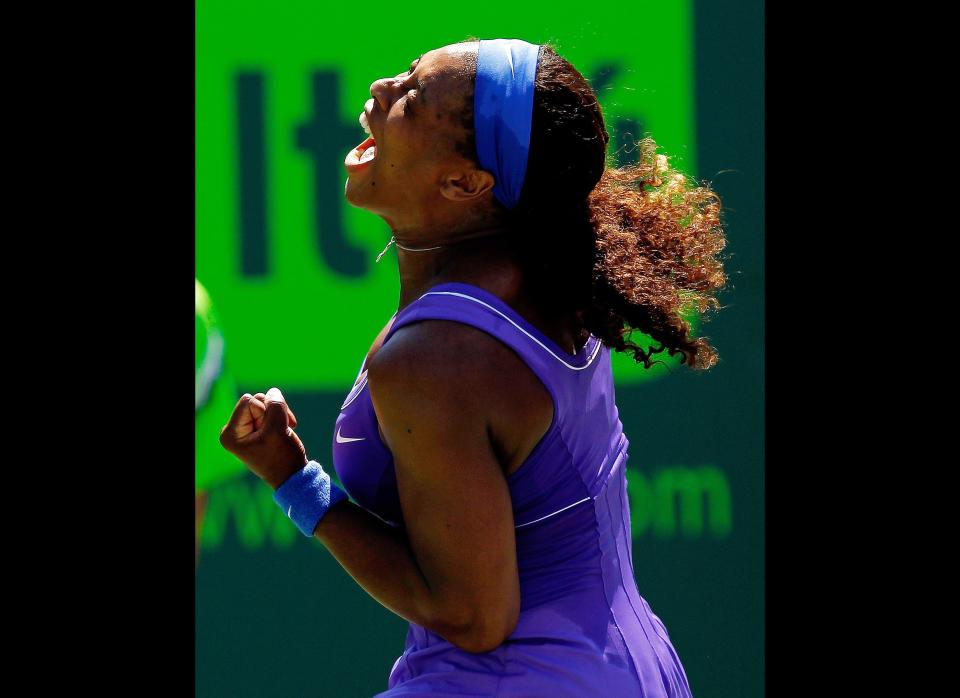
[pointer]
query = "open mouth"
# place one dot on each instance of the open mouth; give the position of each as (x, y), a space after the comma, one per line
(364, 153)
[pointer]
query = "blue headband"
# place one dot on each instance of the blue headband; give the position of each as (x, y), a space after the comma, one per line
(502, 112)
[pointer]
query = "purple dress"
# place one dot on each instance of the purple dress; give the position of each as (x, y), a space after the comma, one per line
(584, 629)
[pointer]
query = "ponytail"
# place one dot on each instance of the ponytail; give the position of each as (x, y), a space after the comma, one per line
(628, 249)
(657, 241)
(635, 248)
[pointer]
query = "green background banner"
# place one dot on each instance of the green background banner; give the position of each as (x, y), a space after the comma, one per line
(290, 268)
(279, 89)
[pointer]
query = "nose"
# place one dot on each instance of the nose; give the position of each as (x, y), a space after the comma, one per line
(384, 91)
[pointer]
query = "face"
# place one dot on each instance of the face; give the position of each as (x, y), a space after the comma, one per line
(409, 171)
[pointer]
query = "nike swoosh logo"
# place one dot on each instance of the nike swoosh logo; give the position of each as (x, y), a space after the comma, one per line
(289, 510)
(347, 439)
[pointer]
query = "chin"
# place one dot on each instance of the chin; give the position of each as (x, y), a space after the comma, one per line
(359, 195)
(354, 192)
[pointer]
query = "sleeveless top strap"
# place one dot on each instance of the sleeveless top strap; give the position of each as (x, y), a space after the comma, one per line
(559, 371)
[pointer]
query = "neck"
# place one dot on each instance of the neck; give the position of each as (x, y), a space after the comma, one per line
(464, 256)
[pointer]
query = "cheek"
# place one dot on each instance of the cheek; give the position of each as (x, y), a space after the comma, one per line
(403, 162)
(409, 140)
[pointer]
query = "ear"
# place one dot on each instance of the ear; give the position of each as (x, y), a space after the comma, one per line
(467, 185)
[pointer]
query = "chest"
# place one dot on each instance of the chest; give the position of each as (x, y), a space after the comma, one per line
(361, 459)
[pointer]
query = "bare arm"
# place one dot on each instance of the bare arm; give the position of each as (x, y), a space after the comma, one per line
(453, 569)
(379, 558)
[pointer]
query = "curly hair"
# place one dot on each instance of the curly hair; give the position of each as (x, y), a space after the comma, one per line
(636, 247)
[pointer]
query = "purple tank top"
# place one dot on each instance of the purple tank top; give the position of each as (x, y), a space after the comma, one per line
(584, 629)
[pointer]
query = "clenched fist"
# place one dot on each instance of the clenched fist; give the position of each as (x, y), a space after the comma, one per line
(260, 433)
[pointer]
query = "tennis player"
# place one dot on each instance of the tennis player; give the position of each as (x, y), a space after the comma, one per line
(481, 445)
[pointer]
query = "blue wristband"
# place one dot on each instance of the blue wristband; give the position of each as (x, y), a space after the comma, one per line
(307, 495)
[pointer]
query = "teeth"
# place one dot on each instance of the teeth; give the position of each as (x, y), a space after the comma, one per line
(364, 123)
(369, 154)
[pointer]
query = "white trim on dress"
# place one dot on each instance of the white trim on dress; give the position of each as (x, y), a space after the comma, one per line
(596, 349)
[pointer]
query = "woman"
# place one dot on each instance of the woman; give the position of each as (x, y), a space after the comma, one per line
(481, 441)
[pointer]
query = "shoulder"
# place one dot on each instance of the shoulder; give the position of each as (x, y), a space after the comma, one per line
(446, 357)
(444, 372)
